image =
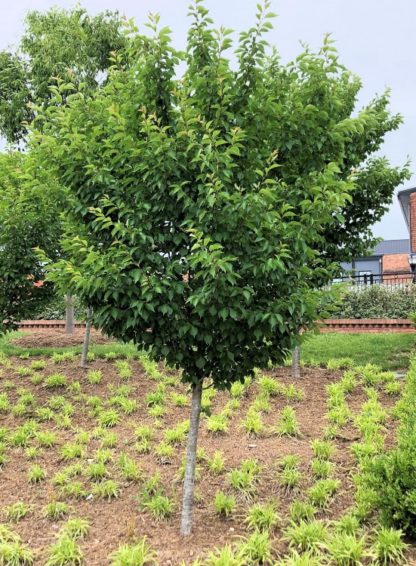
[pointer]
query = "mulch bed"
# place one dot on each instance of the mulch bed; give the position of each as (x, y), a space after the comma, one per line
(57, 338)
(122, 520)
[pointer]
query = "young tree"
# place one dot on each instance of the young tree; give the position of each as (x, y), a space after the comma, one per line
(205, 200)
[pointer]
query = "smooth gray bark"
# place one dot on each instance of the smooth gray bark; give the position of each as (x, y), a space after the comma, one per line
(86, 344)
(296, 362)
(69, 314)
(189, 481)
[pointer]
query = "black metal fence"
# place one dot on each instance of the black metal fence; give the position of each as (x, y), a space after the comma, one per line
(363, 280)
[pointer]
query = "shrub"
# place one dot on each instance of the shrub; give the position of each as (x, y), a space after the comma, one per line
(96, 471)
(288, 425)
(14, 553)
(225, 556)
(253, 423)
(56, 380)
(106, 490)
(304, 559)
(36, 474)
(394, 472)
(245, 478)
(301, 510)
(377, 301)
(322, 449)
(322, 491)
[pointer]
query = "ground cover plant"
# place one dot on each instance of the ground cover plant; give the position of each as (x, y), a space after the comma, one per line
(269, 498)
(389, 350)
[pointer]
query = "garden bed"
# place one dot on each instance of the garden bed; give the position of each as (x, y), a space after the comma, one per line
(125, 518)
(57, 338)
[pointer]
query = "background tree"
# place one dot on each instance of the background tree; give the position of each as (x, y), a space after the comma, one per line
(205, 201)
(69, 44)
(314, 104)
(28, 218)
(56, 45)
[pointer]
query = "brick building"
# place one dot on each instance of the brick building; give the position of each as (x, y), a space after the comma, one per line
(391, 256)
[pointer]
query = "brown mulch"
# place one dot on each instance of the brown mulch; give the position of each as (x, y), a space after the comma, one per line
(57, 338)
(123, 520)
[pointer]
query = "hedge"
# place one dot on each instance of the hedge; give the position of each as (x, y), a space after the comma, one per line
(377, 301)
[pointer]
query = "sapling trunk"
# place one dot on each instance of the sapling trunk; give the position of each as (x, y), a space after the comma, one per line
(296, 362)
(189, 481)
(86, 345)
(69, 314)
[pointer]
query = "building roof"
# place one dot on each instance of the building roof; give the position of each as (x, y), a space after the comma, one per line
(404, 197)
(390, 247)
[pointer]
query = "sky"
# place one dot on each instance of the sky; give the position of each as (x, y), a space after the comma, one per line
(374, 39)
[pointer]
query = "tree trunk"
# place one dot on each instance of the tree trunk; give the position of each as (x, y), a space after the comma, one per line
(86, 345)
(189, 481)
(69, 315)
(296, 362)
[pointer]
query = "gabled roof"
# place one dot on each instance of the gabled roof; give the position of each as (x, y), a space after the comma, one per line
(388, 247)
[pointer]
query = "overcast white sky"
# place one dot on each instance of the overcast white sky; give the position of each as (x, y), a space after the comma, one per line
(375, 39)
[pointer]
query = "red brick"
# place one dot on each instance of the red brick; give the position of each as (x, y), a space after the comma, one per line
(395, 262)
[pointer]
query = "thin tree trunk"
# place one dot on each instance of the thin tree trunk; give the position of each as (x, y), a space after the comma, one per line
(189, 481)
(86, 345)
(296, 362)
(69, 314)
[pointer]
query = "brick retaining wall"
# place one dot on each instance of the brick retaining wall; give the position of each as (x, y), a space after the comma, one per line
(331, 325)
(368, 325)
(45, 324)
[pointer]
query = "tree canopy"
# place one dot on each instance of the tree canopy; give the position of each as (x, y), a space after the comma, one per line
(209, 202)
(69, 44)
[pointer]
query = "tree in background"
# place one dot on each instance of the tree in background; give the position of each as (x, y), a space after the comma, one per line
(205, 201)
(28, 218)
(69, 44)
(56, 45)
(315, 104)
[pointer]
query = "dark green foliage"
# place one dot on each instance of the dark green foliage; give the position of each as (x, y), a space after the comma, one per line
(14, 96)
(377, 301)
(57, 45)
(28, 218)
(204, 201)
(393, 474)
(54, 309)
